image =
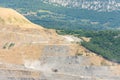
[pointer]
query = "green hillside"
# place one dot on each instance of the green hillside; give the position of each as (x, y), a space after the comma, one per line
(105, 43)
(59, 17)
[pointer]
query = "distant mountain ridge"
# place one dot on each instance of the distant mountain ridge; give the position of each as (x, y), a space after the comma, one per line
(99, 5)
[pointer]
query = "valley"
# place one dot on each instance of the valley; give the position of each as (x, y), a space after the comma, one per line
(49, 15)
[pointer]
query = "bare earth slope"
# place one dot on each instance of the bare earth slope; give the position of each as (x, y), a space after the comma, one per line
(31, 52)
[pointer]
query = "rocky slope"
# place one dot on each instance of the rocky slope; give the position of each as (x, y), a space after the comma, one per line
(99, 5)
(31, 52)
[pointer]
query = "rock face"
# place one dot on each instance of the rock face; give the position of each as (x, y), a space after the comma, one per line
(31, 52)
(99, 5)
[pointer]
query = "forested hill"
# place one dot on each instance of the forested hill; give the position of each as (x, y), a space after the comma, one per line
(50, 15)
(104, 43)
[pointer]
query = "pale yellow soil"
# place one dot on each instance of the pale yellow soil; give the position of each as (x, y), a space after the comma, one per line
(11, 17)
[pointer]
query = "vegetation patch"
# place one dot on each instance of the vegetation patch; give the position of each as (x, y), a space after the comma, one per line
(8, 45)
(105, 43)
